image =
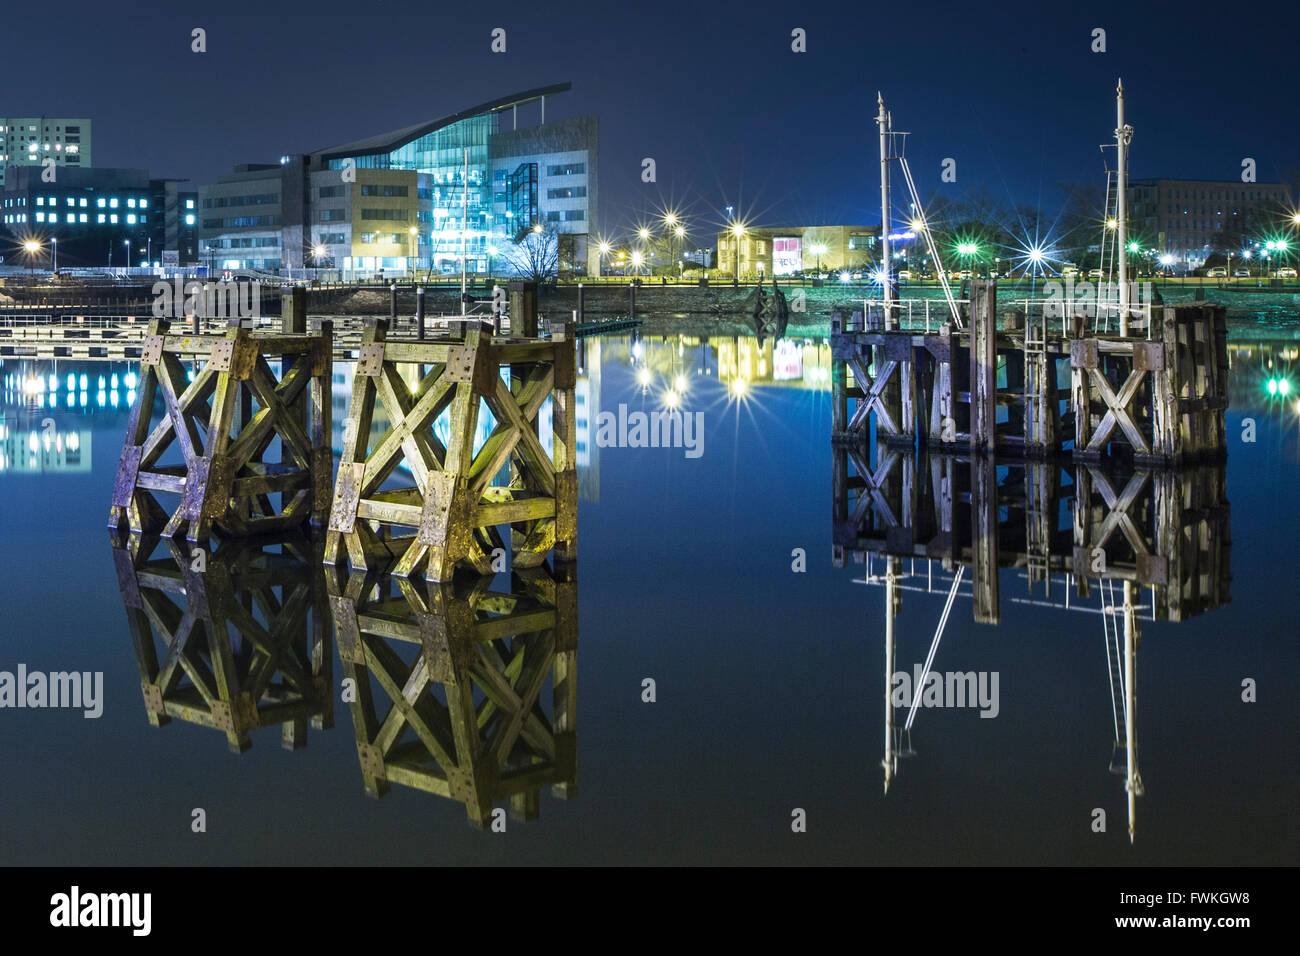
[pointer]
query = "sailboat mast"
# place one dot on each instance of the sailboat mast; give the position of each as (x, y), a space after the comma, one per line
(1123, 135)
(886, 279)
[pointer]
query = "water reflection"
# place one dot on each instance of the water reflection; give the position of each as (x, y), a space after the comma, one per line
(451, 685)
(1120, 543)
(466, 690)
(235, 641)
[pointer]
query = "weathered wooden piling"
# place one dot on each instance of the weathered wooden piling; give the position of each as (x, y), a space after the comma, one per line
(471, 640)
(187, 604)
(1157, 400)
(454, 513)
(224, 480)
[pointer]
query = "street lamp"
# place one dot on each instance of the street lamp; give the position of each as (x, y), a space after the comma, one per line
(737, 233)
(31, 247)
(818, 249)
(604, 251)
(126, 243)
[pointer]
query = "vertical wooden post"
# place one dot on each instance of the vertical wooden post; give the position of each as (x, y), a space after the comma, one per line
(293, 311)
(983, 367)
(839, 377)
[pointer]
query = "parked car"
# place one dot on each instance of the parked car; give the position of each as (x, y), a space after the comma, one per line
(1068, 271)
(1094, 274)
(1286, 272)
(905, 275)
(1241, 274)
(1218, 272)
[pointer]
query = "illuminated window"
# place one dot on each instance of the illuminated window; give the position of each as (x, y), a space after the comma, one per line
(130, 219)
(112, 219)
(100, 202)
(112, 203)
(131, 203)
(144, 203)
(100, 218)
(189, 204)
(189, 219)
(40, 217)
(72, 201)
(83, 217)
(40, 200)
(83, 204)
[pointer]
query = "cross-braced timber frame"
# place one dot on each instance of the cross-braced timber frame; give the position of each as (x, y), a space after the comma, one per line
(456, 512)
(223, 481)
(275, 670)
(465, 718)
(993, 388)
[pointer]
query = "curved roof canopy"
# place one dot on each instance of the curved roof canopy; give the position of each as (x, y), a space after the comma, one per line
(387, 142)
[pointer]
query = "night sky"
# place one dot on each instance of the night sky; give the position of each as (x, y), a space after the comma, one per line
(711, 91)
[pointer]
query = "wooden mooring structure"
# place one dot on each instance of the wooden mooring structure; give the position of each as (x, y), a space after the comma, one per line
(222, 417)
(230, 435)
(1000, 383)
(455, 514)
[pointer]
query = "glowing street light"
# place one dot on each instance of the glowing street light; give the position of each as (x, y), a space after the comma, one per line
(818, 249)
(737, 232)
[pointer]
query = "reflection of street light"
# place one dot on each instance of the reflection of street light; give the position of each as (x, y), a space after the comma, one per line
(54, 252)
(414, 247)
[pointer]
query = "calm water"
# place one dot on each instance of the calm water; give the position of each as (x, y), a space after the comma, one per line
(769, 683)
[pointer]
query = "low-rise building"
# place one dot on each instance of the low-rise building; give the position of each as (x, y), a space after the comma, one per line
(789, 250)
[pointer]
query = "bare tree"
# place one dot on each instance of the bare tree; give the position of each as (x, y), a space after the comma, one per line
(535, 257)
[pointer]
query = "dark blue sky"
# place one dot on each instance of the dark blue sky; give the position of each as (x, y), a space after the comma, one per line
(712, 91)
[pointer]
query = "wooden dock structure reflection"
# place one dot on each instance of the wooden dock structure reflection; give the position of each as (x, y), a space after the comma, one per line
(236, 640)
(919, 522)
(465, 670)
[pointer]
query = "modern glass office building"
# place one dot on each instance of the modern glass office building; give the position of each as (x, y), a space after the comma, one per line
(480, 184)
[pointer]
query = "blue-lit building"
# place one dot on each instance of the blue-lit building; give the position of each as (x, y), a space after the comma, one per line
(96, 217)
(418, 198)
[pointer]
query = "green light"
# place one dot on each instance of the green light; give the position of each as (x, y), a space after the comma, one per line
(1272, 386)
(1281, 245)
(1133, 247)
(1284, 388)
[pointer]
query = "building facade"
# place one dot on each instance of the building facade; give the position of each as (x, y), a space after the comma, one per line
(96, 217)
(1188, 219)
(421, 198)
(31, 140)
(790, 250)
